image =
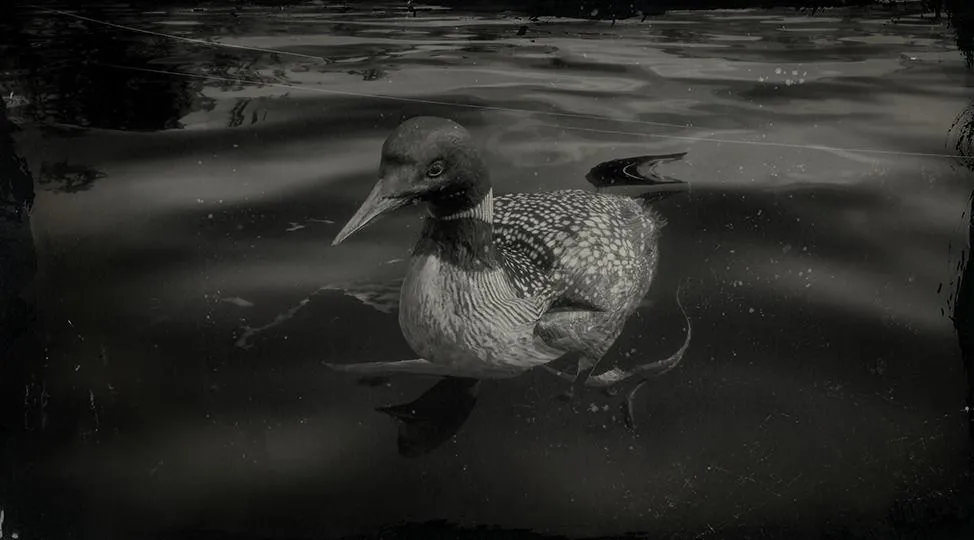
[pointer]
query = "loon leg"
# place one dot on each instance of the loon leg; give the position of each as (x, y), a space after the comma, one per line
(627, 406)
(615, 375)
(651, 369)
(610, 379)
(584, 367)
(564, 329)
(417, 366)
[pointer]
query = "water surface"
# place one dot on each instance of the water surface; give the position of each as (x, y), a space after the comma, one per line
(188, 294)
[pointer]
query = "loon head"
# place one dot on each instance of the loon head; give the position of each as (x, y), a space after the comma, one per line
(425, 159)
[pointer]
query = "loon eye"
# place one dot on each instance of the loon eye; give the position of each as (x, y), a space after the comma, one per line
(435, 169)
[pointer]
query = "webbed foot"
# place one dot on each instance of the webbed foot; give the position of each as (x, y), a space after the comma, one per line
(427, 422)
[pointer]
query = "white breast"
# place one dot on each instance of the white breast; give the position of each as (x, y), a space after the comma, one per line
(470, 319)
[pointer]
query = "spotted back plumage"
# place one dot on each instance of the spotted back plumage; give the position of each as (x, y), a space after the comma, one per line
(598, 250)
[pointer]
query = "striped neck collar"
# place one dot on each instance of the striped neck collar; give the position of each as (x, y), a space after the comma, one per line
(484, 211)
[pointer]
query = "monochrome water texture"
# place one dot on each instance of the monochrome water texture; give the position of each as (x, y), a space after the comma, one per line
(171, 182)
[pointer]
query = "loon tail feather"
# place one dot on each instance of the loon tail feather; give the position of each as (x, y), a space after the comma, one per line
(638, 171)
(632, 171)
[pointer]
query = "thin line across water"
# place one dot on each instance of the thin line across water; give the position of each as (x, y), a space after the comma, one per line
(831, 149)
(180, 38)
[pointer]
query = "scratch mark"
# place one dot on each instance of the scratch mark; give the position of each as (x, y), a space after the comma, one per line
(383, 297)
(295, 226)
(94, 408)
(26, 413)
(44, 398)
(281, 318)
(237, 301)
(710, 530)
(181, 38)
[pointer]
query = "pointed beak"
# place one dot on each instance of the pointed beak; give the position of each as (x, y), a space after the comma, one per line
(379, 202)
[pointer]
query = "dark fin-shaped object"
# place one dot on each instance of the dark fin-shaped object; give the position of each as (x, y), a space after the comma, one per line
(632, 171)
(434, 417)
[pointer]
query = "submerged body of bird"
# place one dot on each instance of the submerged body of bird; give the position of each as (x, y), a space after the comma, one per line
(546, 272)
(496, 286)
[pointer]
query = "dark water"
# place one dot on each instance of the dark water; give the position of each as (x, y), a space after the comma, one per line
(186, 293)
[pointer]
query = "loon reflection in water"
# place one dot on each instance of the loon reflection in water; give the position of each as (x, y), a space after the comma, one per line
(498, 285)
